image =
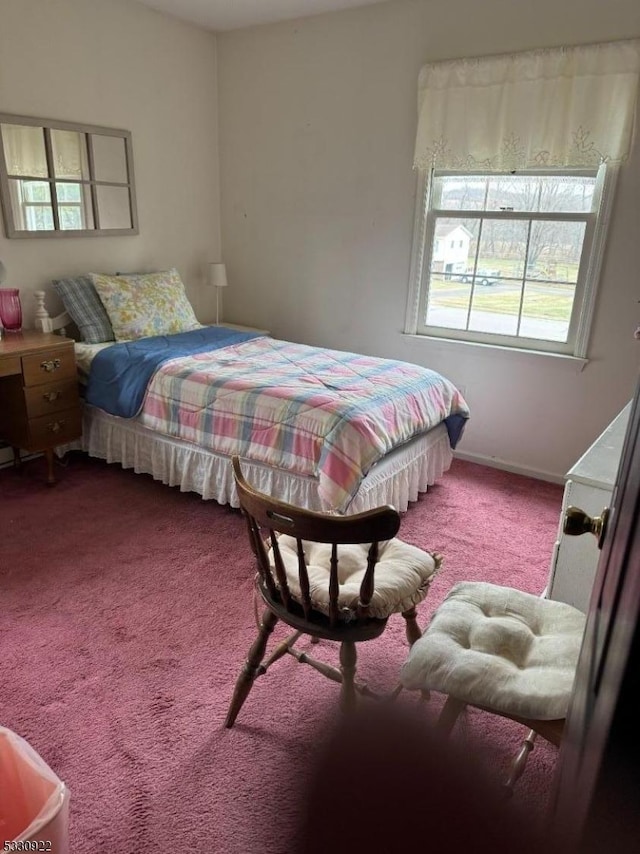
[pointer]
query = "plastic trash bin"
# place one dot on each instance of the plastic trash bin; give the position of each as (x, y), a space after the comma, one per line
(34, 803)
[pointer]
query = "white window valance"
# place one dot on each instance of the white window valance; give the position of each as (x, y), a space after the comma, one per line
(562, 107)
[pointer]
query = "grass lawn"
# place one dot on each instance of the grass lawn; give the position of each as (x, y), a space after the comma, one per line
(549, 306)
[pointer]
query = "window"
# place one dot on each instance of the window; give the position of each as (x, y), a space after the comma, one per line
(64, 180)
(524, 275)
(517, 156)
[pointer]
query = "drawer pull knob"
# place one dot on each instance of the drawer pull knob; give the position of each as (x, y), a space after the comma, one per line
(50, 396)
(50, 365)
(56, 426)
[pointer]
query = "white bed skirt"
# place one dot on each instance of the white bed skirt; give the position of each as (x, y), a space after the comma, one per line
(397, 479)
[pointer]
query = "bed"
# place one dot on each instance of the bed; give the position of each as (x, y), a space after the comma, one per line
(322, 429)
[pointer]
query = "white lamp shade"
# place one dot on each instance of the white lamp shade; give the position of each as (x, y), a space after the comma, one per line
(218, 276)
(3, 272)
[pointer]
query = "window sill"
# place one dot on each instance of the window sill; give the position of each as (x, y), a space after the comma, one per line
(563, 360)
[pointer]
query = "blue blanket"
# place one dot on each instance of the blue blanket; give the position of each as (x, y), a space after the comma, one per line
(120, 374)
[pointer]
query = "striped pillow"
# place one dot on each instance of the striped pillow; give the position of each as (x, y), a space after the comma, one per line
(81, 300)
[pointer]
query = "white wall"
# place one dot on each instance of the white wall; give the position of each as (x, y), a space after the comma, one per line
(317, 126)
(119, 64)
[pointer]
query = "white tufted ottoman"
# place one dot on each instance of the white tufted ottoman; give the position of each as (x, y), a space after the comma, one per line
(502, 650)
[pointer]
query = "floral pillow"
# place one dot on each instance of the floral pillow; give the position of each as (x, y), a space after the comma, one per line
(144, 305)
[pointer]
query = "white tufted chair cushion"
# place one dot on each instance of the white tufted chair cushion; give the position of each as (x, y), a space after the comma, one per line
(402, 575)
(499, 648)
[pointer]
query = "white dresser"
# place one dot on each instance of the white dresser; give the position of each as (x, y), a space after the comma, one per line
(589, 485)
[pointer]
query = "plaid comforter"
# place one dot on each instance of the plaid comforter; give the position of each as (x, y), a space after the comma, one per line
(312, 411)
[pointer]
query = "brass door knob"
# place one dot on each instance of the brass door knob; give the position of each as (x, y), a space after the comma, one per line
(577, 522)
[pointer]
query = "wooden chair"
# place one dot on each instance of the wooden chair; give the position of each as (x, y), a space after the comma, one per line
(503, 651)
(327, 576)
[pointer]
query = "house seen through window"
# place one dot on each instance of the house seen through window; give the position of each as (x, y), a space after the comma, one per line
(507, 256)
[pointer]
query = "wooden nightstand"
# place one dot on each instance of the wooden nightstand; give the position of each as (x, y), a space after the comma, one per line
(39, 401)
(241, 328)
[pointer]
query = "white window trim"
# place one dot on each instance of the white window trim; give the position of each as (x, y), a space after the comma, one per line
(607, 183)
(446, 346)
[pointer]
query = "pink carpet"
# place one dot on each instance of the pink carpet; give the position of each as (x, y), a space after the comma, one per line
(125, 614)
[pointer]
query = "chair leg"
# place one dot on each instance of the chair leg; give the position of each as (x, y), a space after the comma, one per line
(412, 628)
(450, 714)
(348, 658)
(518, 765)
(413, 634)
(251, 668)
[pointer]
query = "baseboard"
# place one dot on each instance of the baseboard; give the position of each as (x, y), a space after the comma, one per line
(504, 465)
(6, 457)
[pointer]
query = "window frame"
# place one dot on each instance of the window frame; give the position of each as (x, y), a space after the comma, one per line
(587, 280)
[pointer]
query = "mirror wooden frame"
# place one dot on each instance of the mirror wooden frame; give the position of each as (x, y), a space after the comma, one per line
(91, 182)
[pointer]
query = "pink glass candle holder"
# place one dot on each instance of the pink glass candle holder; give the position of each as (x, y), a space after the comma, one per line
(10, 309)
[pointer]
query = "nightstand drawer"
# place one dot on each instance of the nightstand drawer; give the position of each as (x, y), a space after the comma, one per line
(39, 400)
(49, 366)
(10, 366)
(47, 431)
(53, 397)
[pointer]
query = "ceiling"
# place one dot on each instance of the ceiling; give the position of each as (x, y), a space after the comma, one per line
(233, 14)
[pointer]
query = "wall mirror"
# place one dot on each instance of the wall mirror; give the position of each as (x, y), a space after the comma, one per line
(59, 179)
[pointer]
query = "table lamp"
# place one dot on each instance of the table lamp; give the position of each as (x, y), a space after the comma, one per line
(217, 280)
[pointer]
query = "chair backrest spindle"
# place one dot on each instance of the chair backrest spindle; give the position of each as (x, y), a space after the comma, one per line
(367, 586)
(262, 558)
(334, 585)
(281, 574)
(304, 578)
(268, 517)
